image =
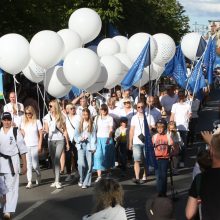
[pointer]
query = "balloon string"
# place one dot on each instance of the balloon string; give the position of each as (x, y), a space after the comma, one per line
(44, 97)
(45, 105)
(16, 99)
(38, 102)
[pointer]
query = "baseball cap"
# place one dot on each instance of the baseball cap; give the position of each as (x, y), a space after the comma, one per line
(6, 115)
(160, 208)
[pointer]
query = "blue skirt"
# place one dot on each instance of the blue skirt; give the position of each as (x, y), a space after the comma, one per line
(104, 157)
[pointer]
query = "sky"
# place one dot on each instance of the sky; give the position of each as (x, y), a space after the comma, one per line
(201, 11)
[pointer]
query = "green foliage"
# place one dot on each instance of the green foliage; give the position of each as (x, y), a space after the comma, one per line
(27, 17)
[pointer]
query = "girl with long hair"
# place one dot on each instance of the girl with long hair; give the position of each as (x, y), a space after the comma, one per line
(85, 137)
(55, 126)
(31, 129)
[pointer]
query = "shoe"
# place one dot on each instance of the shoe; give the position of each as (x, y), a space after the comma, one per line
(62, 173)
(182, 165)
(58, 185)
(68, 178)
(53, 184)
(38, 180)
(98, 179)
(80, 184)
(7, 215)
(175, 172)
(29, 185)
(143, 180)
(84, 187)
(137, 181)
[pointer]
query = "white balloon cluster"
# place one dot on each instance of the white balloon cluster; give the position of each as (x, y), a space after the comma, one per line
(91, 68)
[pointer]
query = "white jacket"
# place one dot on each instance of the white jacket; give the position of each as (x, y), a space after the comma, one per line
(115, 213)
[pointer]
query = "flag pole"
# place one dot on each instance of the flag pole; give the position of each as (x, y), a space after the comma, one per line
(150, 89)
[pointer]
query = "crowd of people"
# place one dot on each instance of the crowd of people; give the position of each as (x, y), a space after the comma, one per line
(89, 135)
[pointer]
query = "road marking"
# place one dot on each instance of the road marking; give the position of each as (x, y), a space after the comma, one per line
(56, 191)
(29, 210)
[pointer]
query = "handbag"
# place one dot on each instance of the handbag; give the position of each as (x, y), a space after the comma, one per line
(141, 138)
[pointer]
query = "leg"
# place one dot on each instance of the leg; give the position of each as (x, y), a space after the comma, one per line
(62, 161)
(35, 160)
(122, 149)
(98, 158)
(164, 169)
(12, 184)
(88, 173)
(183, 135)
(59, 150)
(137, 154)
(68, 160)
(29, 164)
(52, 151)
(81, 164)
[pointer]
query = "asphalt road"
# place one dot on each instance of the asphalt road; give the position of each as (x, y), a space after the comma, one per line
(72, 202)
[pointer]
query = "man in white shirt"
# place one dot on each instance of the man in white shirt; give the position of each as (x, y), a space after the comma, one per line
(11, 144)
(136, 140)
(181, 113)
(83, 103)
(168, 100)
(16, 109)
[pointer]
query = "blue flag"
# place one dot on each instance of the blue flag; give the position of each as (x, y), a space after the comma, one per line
(197, 79)
(148, 147)
(136, 71)
(176, 68)
(201, 47)
(209, 59)
(1, 85)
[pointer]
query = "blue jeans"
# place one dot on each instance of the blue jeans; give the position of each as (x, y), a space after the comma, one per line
(161, 175)
(85, 163)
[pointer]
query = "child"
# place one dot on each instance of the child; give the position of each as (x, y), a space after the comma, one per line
(174, 134)
(162, 146)
(121, 142)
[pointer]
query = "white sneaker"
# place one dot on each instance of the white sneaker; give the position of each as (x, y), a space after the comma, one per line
(98, 179)
(53, 184)
(182, 165)
(68, 178)
(38, 180)
(80, 184)
(58, 185)
(7, 215)
(29, 185)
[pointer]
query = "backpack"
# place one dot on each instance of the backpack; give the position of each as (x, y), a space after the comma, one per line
(162, 150)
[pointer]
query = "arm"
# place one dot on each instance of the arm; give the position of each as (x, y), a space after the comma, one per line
(40, 140)
(207, 136)
(74, 101)
(191, 208)
(131, 136)
(24, 162)
(66, 136)
(172, 116)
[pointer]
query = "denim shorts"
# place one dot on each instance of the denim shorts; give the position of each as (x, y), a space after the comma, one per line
(138, 152)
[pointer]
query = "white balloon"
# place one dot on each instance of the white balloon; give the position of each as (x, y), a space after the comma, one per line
(137, 42)
(145, 77)
(157, 71)
(87, 23)
(34, 72)
(55, 83)
(189, 45)
(46, 48)
(166, 48)
(114, 69)
(124, 59)
(122, 41)
(82, 68)
(14, 53)
(100, 83)
(71, 40)
(107, 47)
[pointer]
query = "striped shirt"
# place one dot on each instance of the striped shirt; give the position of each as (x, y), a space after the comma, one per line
(130, 213)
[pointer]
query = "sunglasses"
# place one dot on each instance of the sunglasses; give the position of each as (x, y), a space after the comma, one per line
(28, 113)
(72, 108)
(127, 102)
(140, 107)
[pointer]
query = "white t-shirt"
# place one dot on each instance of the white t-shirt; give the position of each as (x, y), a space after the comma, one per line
(31, 133)
(155, 112)
(9, 107)
(167, 101)
(103, 126)
(138, 123)
(181, 115)
(74, 120)
(54, 134)
(92, 110)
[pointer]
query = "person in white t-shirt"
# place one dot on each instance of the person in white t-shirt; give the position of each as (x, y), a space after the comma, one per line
(181, 113)
(114, 112)
(16, 109)
(31, 129)
(126, 95)
(105, 150)
(168, 100)
(55, 126)
(72, 122)
(84, 104)
(136, 142)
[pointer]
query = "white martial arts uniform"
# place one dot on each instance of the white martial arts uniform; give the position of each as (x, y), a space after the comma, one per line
(9, 146)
